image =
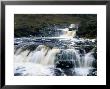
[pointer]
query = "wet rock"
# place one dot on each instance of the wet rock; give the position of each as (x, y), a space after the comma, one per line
(88, 48)
(69, 72)
(94, 64)
(58, 72)
(17, 74)
(92, 72)
(64, 64)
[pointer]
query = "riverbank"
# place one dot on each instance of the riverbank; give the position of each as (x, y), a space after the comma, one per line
(45, 25)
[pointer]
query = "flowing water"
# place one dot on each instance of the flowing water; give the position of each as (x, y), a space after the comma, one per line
(63, 55)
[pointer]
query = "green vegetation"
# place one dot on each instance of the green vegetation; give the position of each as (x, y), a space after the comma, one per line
(37, 24)
(88, 27)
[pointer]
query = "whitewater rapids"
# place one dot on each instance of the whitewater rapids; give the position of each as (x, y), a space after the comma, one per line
(39, 56)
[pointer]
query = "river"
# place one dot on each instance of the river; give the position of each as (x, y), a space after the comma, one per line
(63, 55)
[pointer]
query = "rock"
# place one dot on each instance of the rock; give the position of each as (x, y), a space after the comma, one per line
(69, 72)
(58, 72)
(64, 64)
(92, 72)
(17, 74)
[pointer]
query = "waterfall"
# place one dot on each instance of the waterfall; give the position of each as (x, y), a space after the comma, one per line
(88, 59)
(81, 61)
(67, 33)
(42, 56)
